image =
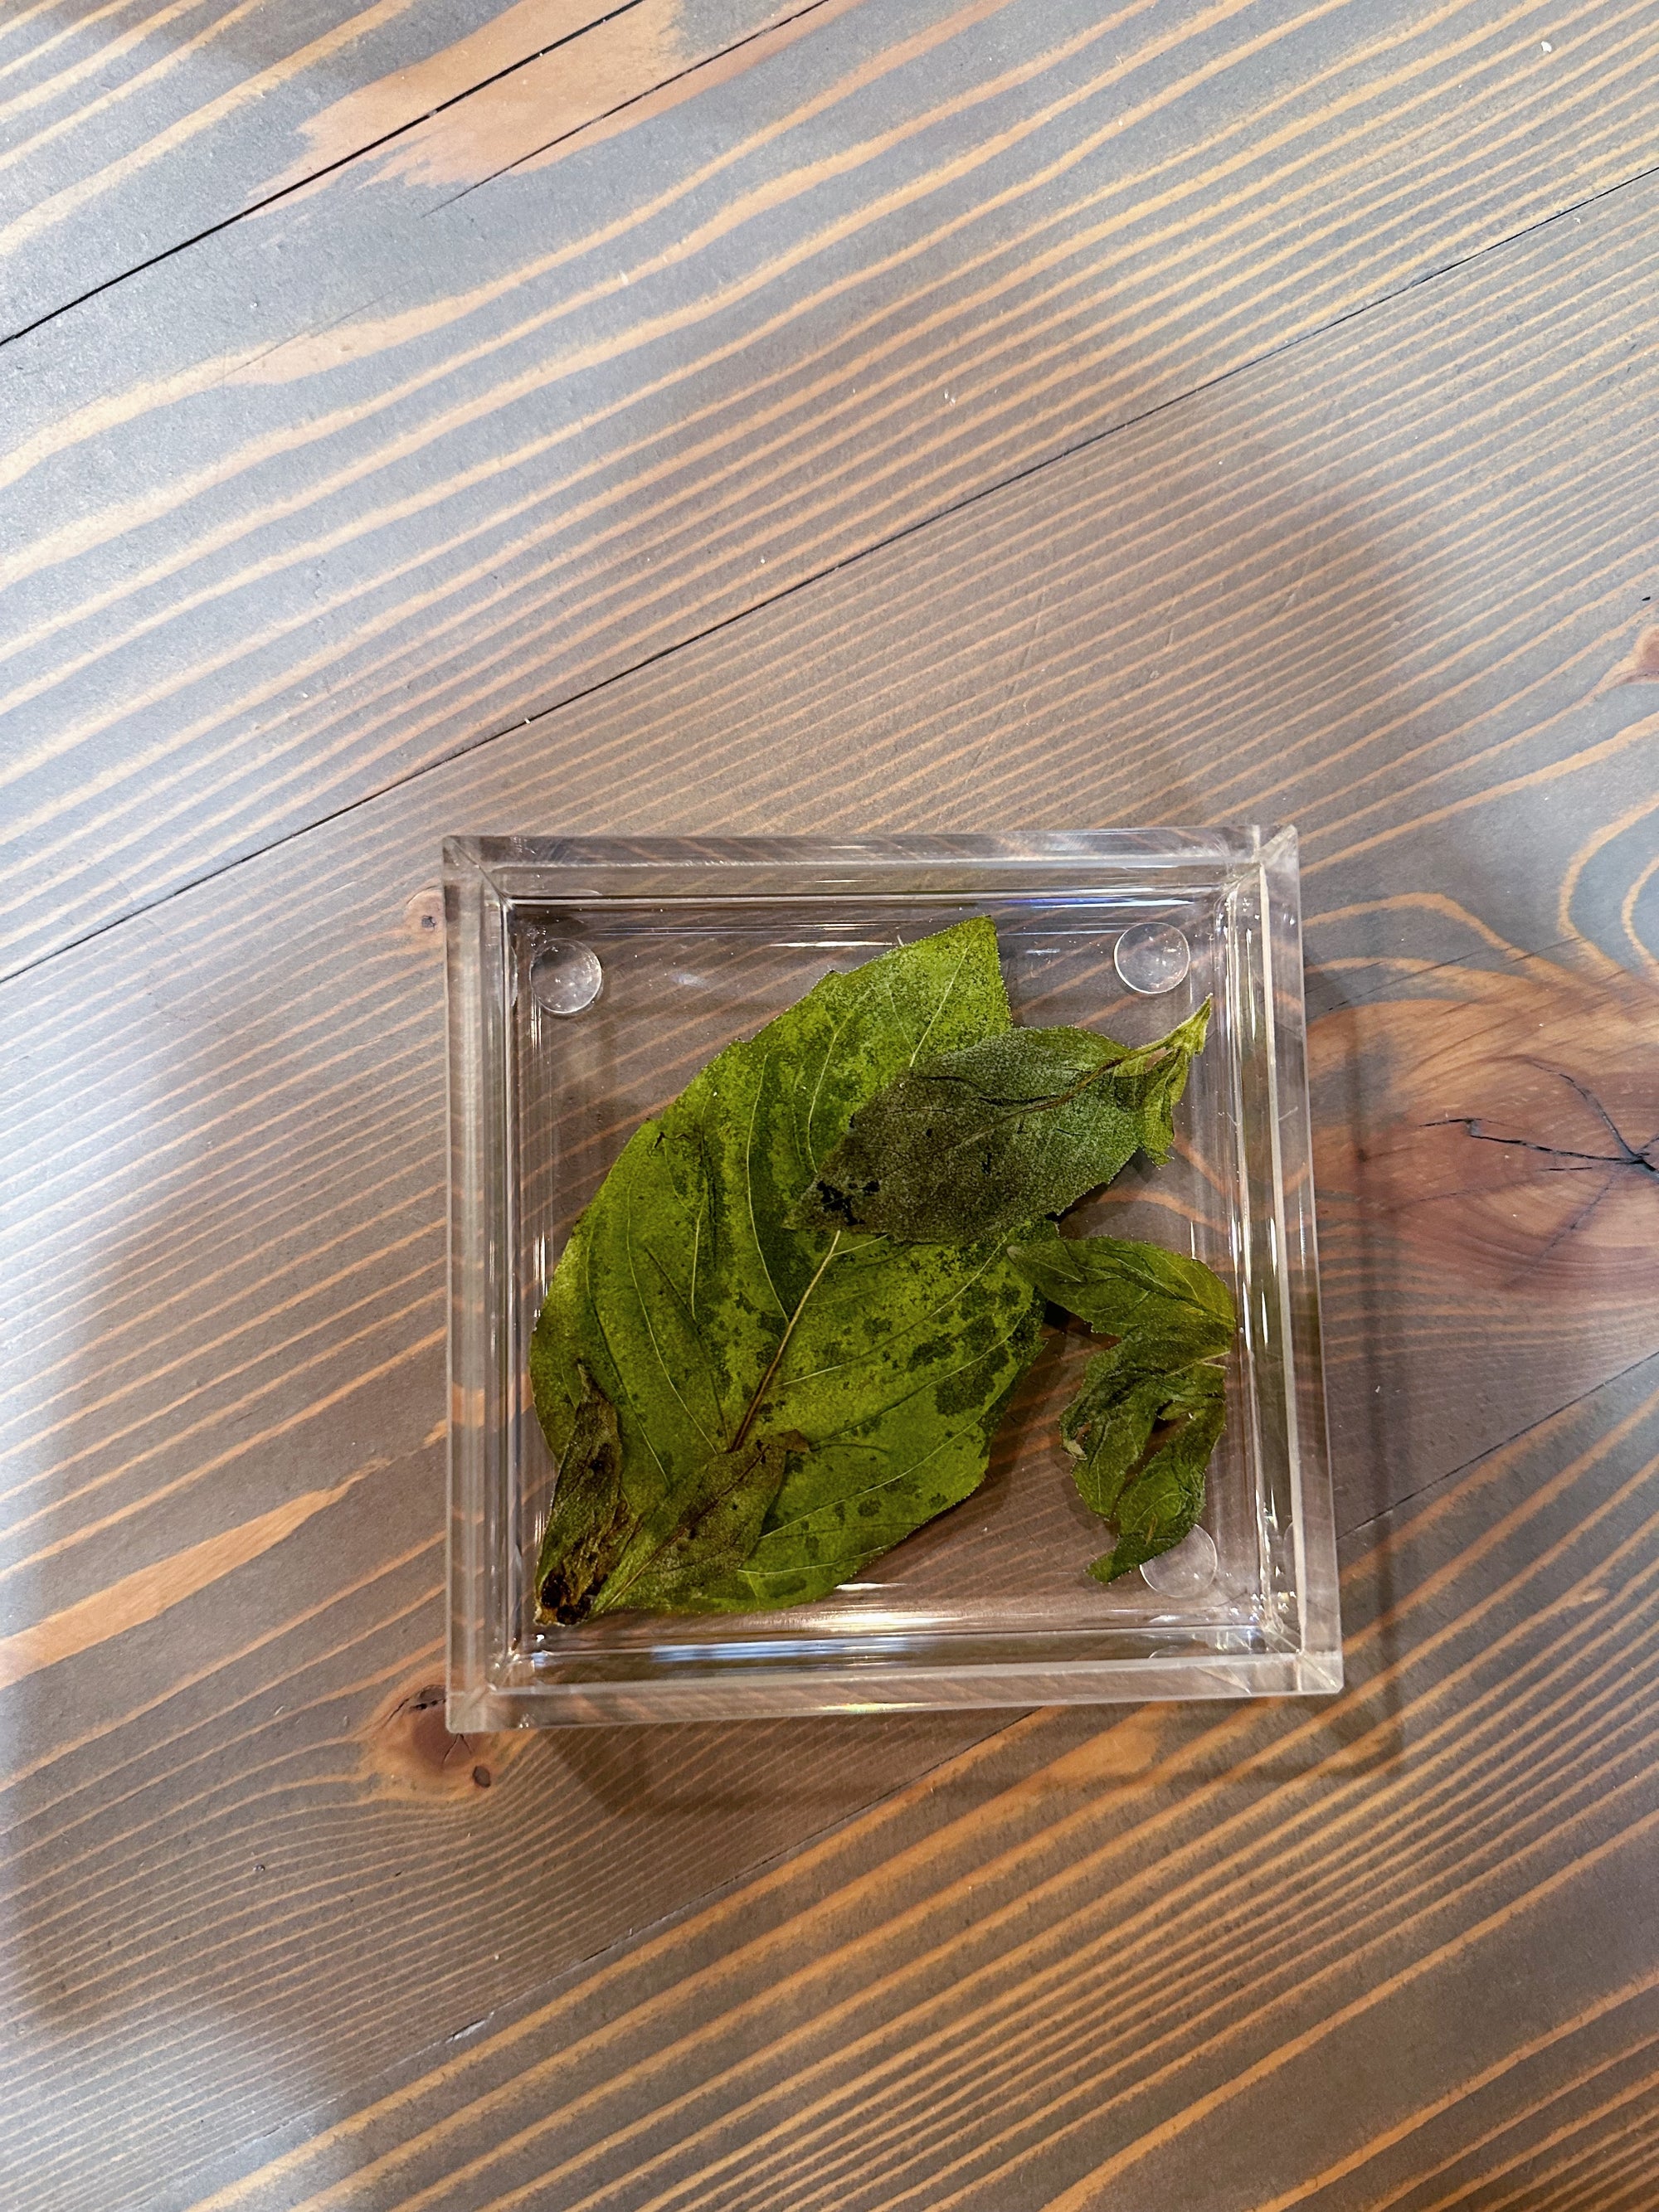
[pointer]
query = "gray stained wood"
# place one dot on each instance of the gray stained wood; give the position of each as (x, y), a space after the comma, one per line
(1269, 1955)
(465, 428)
(273, 1938)
(131, 130)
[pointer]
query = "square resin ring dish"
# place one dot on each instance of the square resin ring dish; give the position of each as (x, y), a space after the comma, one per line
(590, 981)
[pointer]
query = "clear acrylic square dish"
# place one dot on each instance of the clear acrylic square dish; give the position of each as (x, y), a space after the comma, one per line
(590, 979)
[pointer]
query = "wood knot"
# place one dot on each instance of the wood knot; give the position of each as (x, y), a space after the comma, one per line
(408, 1750)
(1511, 1141)
(424, 917)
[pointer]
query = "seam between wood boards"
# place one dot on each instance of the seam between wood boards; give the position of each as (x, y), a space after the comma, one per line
(371, 146)
(961, 506)
(990, 468)
(767, 30)
(1504, 1444)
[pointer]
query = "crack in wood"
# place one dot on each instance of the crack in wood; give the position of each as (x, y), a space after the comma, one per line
(1627, 1155)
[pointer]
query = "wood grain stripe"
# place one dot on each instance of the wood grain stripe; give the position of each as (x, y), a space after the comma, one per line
(1615, 2002)
(852, 1905)
(975, 272)
(71, 199)
(375, 111)
(102, 59)
(148, 1592)
(81, 538)
(1533, 1901)
(803, 1940)
(1556, 2137)
(155, 1492)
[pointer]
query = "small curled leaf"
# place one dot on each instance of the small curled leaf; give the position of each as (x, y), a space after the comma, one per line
(1176, 1307)
(974, 1142)
(1149, 1411)
(1163, 1501)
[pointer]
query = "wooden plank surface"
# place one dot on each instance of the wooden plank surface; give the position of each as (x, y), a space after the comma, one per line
(273, 1938)
(128, 130)
(430, 445)
(1387, 1952)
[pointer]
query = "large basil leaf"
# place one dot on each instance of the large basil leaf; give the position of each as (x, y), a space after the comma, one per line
(1149, 1411)
(812, 1395)
(975, 1140)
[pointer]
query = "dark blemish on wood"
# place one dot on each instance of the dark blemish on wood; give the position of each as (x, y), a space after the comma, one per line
(1509, 1139)
(410, 1748)
(424, 917)
(1577, 1161)
(409, 1751)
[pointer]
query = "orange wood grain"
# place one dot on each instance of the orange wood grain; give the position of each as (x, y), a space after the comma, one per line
(522, 108)
(126, 132)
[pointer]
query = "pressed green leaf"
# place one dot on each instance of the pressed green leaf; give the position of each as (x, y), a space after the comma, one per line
(1162, 1501)
(591, 1521)
(872, 1373)
(697, 1535)
(974, 1141)
(1176, 1307)
(1149, 1410)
